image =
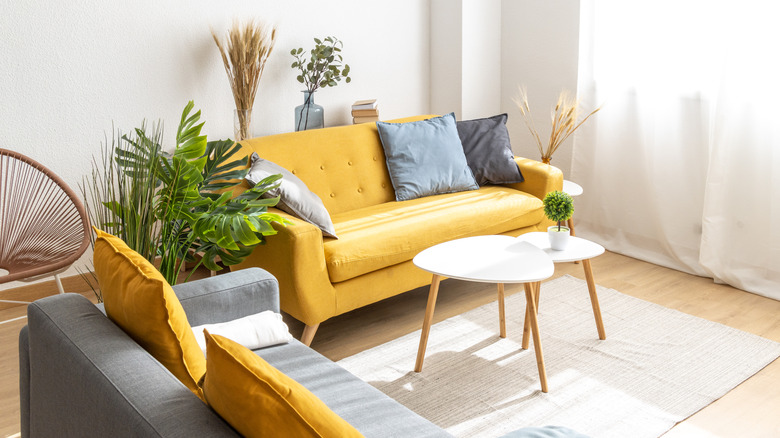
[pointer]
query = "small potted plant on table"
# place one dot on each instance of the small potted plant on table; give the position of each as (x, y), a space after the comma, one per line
(558, 207)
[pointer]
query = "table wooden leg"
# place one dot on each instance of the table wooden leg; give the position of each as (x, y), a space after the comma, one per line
(531, 314)
(594, 299)
(426, 328)
(535, 287)
(570, 223)
(501, 317)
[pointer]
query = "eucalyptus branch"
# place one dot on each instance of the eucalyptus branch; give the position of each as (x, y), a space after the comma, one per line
(325, 66)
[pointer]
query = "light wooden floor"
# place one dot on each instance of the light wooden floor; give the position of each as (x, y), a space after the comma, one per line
(750, 410)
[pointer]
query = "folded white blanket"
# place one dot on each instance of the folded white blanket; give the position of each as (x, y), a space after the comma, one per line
(254, 331)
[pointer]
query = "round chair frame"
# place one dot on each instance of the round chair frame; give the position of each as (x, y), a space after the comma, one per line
(44, 227)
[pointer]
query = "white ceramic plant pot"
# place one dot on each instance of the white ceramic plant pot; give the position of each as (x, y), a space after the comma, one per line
(558, 239)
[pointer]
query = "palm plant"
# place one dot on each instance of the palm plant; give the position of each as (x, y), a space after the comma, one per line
(172, 207)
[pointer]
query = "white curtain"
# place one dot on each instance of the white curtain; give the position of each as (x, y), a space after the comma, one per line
(682, 165)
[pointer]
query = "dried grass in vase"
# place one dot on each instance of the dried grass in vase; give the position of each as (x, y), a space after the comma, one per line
(244, 53)
(564, 122)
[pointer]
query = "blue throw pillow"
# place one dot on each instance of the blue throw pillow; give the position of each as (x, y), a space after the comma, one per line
(425, 158)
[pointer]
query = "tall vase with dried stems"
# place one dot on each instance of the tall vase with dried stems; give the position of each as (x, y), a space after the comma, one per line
(244, 54)
(564, 122)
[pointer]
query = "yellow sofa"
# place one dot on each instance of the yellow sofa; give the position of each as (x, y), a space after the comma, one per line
(377, 237)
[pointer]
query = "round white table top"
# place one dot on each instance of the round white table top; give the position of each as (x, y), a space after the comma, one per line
(487, 259)
(572, 188)
(577, 249)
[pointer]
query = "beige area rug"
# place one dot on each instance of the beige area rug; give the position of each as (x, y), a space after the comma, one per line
(657, 366)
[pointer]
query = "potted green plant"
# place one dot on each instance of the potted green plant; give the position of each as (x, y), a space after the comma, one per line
(558, 207)
(179, 206)
(324, 68)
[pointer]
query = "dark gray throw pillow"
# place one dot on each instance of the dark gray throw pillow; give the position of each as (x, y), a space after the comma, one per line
(488, 151)
(294, 197)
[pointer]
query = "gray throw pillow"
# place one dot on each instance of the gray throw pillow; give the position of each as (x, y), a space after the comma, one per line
(294, 197)
(488, 151)
(425, 158)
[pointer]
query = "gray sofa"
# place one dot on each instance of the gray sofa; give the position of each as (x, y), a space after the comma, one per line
(81, 375)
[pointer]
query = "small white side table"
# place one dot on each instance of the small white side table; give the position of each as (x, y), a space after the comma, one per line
(487, 259)
(578, 249)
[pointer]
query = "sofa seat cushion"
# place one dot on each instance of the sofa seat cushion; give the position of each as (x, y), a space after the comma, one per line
(382, 235)
(366, 408)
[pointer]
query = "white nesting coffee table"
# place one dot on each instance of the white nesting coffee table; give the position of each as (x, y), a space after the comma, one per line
(578, 249)
(487, 259)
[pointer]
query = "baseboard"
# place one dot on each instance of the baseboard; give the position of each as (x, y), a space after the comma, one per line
(43, 289)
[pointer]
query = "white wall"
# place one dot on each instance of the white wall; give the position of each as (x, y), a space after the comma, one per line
(481, 58)
(71, 69)
(466, 57)
(482, 50)
(539, 47)
(446, 57)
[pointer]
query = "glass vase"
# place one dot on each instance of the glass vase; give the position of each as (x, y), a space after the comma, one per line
(242, 124)
(309, 115)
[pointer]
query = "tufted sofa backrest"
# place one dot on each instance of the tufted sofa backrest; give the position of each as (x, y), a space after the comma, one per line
(344, 165)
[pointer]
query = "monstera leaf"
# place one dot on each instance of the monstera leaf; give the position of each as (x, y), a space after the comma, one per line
(193, 205)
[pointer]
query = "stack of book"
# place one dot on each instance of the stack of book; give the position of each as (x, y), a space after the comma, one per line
(365, 111)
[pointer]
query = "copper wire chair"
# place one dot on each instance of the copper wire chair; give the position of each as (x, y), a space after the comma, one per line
(43, 225)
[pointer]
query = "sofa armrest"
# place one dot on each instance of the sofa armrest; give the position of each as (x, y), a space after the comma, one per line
(540, 178)
(297, 248)
(228, 296)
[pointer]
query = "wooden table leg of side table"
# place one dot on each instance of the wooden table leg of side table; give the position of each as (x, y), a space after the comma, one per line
(501, 311)
(531, 314)
(426, 328)
(570, 223)
(594, 299)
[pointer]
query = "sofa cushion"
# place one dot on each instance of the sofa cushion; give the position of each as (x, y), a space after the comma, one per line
(362, 405)
(383, 235)
(294, 197)
(425, 158)
(258, 400)
(139, 300)
(488, 151)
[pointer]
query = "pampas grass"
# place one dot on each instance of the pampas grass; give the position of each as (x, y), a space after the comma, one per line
(244, 53)
(564, 122)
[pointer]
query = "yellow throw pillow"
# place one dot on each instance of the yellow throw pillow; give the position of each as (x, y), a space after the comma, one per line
(139, 300)
(260, 401)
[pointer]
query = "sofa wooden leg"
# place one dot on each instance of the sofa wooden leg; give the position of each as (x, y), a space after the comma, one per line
(308, 334)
